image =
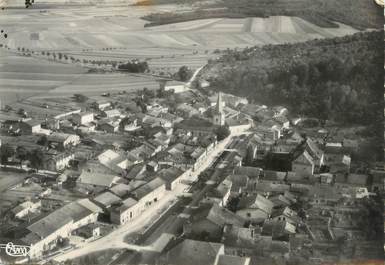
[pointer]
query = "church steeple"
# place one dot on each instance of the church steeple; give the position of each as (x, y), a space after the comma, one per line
(219, 115)
(219, 106)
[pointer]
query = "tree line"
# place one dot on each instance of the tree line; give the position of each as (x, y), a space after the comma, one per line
(35, 156)
(134, 66)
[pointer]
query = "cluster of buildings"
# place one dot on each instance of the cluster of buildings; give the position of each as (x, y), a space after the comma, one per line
(112, 158)
(289, 195)
(313, 212)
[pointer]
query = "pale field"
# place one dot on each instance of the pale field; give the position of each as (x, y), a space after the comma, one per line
(85, 32)
(97, 27)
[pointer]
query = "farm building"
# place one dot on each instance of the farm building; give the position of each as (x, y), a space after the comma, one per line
(30, 127)
(195, 127)
(63, 140)
(111, 113)
(54, 161)
(24, 127)
(83, 118)
(304, 165)
(45, 233)
(114, 161)
(128, 210)
(95, 181)
(171, 176)
(106, 200)
(145, 196)
(176, 86)
(151, 192)
(101, 105)
(108, 126)
(192, 252)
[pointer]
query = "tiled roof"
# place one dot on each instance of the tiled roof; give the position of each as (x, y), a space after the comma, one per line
(97, 179)
(192, 252)
(107, 198)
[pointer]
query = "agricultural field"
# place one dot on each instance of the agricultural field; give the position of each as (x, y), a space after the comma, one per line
(98, 28)
(95, 84)
(116, 32)
(22, 77)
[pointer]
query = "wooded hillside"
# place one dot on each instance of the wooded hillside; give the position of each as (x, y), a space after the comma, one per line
(324, 13)
(337, 79)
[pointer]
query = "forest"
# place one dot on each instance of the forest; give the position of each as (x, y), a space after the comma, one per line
(338, 79)
(324, 13)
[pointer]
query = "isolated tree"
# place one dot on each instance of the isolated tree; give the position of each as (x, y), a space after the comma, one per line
(20, 111)
(232, 205)
(29, 3)
(43, 140)
(148, 93)
(6, 152)
(21, 154)
(184, 73)
(80, 98)
(222, 132)
(36, 157)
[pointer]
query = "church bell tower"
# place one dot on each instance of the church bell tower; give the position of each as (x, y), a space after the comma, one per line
(219, 115)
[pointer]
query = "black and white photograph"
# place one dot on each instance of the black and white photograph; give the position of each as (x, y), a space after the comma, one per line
(192, 132)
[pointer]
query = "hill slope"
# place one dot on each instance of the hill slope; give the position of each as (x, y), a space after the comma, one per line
(337, 79)
(356, 13)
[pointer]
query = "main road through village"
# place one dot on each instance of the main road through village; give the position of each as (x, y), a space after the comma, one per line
(176, 217)
(154, 220)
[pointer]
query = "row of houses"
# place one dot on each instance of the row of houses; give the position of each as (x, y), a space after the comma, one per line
(44, 234)
(142, 198)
